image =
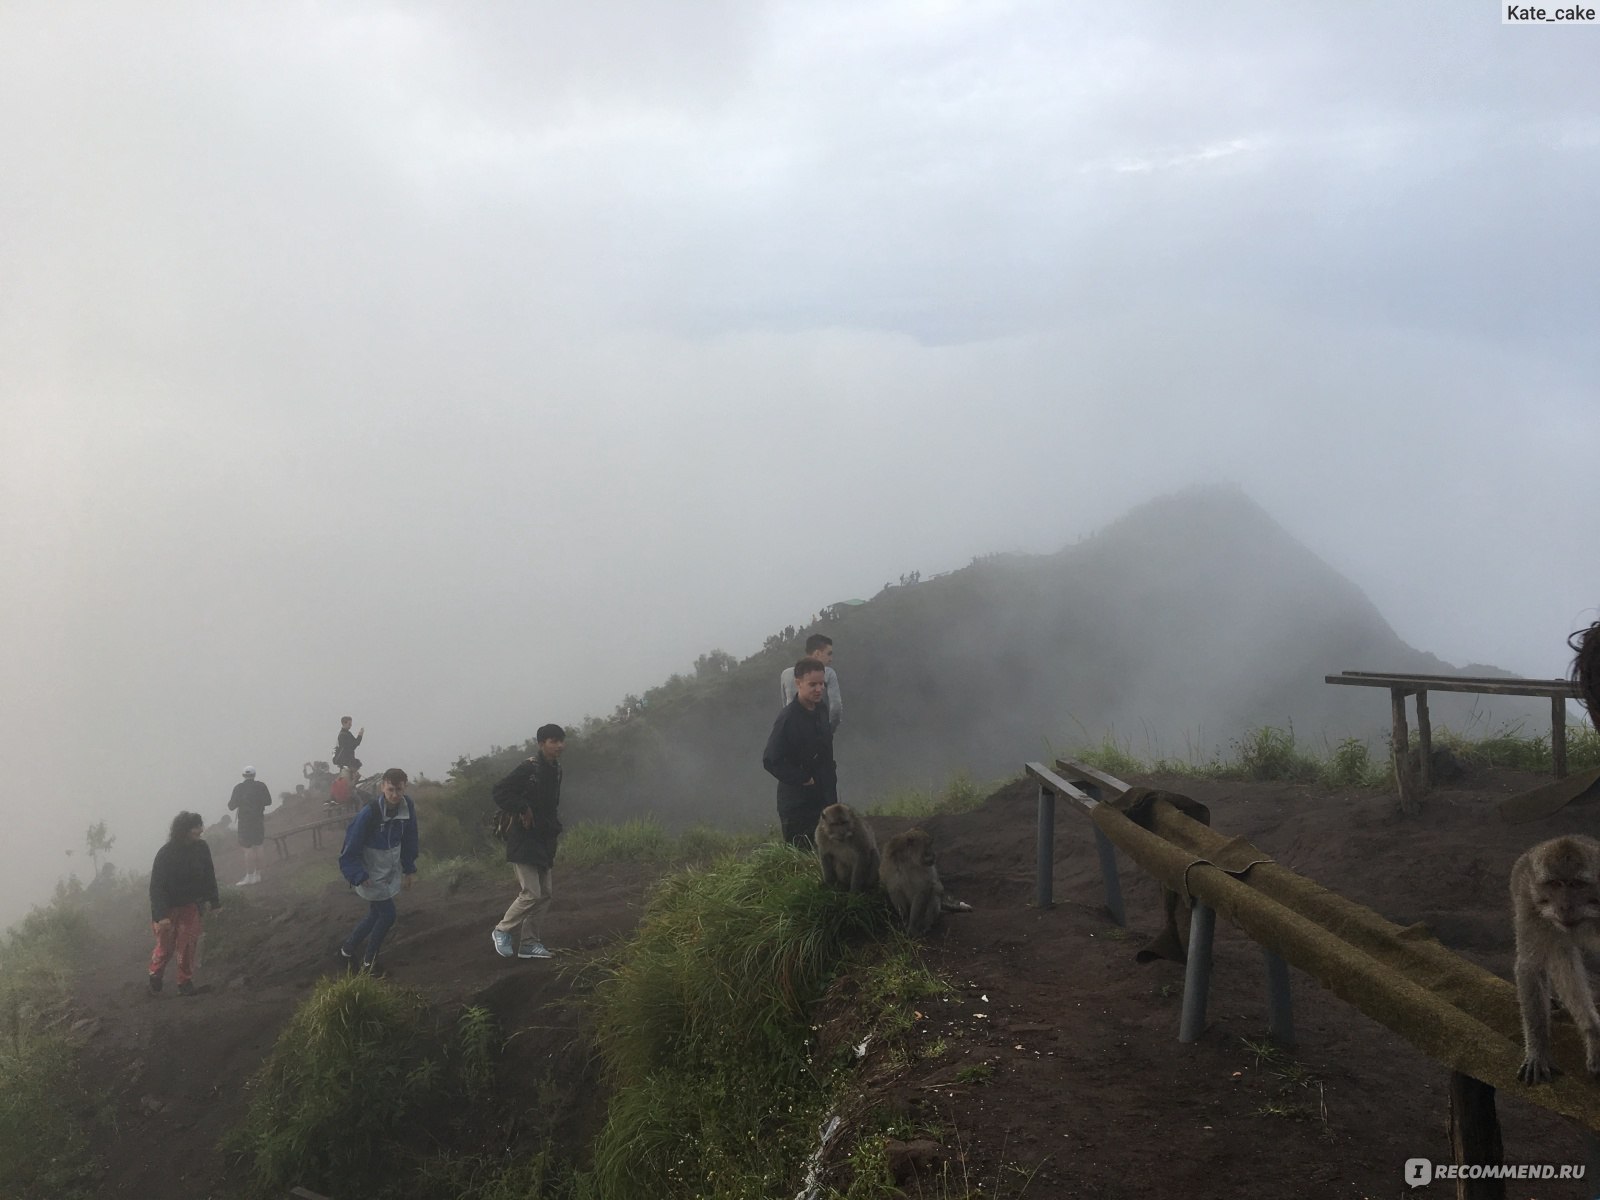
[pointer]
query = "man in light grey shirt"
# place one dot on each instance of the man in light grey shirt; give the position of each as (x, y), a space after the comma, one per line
(820, 647)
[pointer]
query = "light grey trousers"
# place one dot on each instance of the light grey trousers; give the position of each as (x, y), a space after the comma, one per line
(528, 909)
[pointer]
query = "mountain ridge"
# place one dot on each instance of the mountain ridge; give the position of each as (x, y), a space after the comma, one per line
(1187, 622)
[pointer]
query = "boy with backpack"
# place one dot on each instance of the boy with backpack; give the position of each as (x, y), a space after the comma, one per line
(527, 799)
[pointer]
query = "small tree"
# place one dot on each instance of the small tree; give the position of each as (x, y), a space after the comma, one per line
(99, 842)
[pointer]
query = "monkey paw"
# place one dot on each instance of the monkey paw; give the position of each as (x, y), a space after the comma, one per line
(1535, 1070)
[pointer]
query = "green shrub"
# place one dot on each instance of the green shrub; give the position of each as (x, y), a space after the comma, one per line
(531, 1175)
(703, 1023)
(1583, 747)
(959, 794)
(1350, 765)
(46, 1151)
(1112, 758)
(642, 839)
(1269, 754)
(334, 1097)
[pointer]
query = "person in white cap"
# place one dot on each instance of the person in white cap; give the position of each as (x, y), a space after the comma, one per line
(250, 800)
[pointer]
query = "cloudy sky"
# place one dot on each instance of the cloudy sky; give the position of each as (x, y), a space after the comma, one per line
(462, 367)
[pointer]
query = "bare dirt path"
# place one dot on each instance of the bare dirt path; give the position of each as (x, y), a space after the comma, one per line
(1090, 1089)
(179, 1067)
(1059, 1073)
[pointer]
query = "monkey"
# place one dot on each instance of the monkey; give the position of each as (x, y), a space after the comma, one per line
(911, 877)
(847, 849)
(1555, 909)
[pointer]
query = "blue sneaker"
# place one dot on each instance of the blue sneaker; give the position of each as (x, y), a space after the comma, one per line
(502, 944)
(534, 950)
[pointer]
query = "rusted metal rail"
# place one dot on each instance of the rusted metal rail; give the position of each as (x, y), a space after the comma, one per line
(1453, 1011)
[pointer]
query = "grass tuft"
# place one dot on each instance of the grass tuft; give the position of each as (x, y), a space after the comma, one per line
(703, 1024)
(959, 794)
(1270, 753)
(337, 1091)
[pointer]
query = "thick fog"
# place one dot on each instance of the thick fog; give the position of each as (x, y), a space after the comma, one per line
(465, 367)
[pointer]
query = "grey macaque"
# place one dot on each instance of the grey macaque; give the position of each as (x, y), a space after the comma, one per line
(911, 877)
(847, 849)
(1555, 908)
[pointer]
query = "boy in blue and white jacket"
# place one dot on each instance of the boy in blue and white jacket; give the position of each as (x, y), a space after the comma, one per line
(378, 859)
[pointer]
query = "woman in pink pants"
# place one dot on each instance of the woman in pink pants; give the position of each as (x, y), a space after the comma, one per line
(181, 880)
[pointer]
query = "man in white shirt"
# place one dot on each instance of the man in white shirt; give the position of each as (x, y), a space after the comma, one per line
(820, 647)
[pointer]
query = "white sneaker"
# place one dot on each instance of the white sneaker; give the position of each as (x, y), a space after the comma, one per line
(245, 882)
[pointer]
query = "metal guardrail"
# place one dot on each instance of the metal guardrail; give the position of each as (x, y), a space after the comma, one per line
(1451, 1010)
(1085, 788)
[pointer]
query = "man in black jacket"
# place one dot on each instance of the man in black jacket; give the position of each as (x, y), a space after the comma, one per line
(799, 755)
(530, 796)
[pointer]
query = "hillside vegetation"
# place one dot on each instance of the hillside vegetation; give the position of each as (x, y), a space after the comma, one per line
(1174, 632)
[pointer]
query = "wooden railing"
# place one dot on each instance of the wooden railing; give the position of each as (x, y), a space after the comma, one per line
(1412, 788)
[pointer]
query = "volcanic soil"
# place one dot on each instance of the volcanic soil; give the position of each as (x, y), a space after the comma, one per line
(1052, 1069)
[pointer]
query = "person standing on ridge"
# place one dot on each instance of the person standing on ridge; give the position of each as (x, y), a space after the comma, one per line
(182, 878)
(530, 796)
(378, 859)
(799, 755)
(251, 798)
(1585, 645)
(344, 754)
(819, 646)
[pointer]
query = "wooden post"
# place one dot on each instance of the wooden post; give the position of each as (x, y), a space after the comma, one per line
(1424, 745)
(1558, 735)
(1475, 1135)
(1402, 750)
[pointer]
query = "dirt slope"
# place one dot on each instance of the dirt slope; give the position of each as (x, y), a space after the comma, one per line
(1086, 1091)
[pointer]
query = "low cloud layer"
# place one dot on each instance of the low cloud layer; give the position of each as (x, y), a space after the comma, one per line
(463, 371)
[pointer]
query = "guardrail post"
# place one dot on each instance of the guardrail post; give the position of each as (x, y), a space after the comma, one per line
(1108, 858)
(1108, 872)
(1280, 1012)
(1197, 975)
(1043, 892)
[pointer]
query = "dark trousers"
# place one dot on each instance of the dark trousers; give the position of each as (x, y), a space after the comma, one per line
(799, 810)
(380, 916)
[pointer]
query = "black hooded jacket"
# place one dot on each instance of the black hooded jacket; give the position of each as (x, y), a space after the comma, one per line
(532, 791)
(182, 874)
